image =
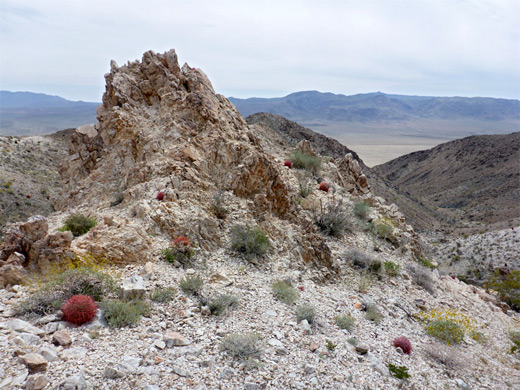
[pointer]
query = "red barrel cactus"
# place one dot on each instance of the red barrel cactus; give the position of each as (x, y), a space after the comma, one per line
(324, 186)
(79, 309)
(160, 196)
(287, 163)
(404, 344)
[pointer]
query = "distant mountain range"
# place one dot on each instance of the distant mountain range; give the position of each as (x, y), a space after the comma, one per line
(28, 113)
(370, 107)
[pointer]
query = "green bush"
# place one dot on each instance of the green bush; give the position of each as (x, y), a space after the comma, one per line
(400, 372)
(361, 210)
(76, 281)
(119, 313)
(245, 347)
(507, 286)
(384, 228)
(446, 331)
(333, 220)
(163, 294)
(373, 313)
(345, 321)
(306, 312)
(250, 242)
(515, 338)
(305, 161)
(78, 224)
(191, 285)
(179, 251)
(286, 293)
(222, 303)
(392, 269)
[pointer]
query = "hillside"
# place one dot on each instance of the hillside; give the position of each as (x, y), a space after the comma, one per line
(475, 179)
(29, 179)
(233, 270)
(27, 113)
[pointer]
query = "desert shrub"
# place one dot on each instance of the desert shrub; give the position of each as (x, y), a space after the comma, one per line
(333, 220)
(119, 313)
(250, 242)
(372, 313)
(422, 277)
(305, 186)
(400, 372)
(222, 303)
(306, 312)
(305, 161)
(217, 206)
(285, 292)
(479, 337)
(245, 347)
(163, 294)
(345, 321)
(191, 285)
(404, 344)
(330, 345)
(448, 326)
(78, 281)
(384, 228)
(362, 260)
(78, 224)
(353, 341)
(391, 268)
(425, 262)
(508, 287)
(180, 250)
(515, 338)
(79, 309)
(361, 210)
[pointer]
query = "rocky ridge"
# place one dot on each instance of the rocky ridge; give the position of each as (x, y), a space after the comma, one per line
(162, 128)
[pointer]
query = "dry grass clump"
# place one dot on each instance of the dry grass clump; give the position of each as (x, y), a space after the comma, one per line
(247, 347)
(306, 312)
(191, 285)
(118, 313)
(422, 277)
(285, 292)
(333, 220)
(373, 313)
(305, 161)
(345, 321)
(163, 294)
(448, 356)
(223, 303)
(250, 242)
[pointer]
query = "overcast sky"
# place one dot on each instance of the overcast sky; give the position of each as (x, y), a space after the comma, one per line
(269, 48)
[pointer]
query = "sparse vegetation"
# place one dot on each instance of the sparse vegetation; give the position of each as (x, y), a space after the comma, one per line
(180, 251)
(119, 313)
(77, 281)
(330, 345)
(306, 312)
(448, 326)
(163, 294)
(285, 292)
(361, 210)
(515, 338)
(422, 277)
(250, 242)
(508, 287)
(218, 207)
(373, 313)
(333, 220)
(223, 303)
(246, 347)
(345, 321)
(305, 187)
(400, 372)
(391, 268)
(305, 161)
(191, 285)
(445, 355)
(78, 224)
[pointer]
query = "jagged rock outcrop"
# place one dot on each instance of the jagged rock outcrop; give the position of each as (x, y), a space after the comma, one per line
(163, 128)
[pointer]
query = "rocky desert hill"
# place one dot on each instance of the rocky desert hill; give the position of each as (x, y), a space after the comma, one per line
(474, 179)
(320, 304)
(29, 179)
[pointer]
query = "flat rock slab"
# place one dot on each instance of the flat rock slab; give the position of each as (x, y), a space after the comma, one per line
(23, 326)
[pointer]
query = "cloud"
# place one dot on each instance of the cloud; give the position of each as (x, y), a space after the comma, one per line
(268, 48)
